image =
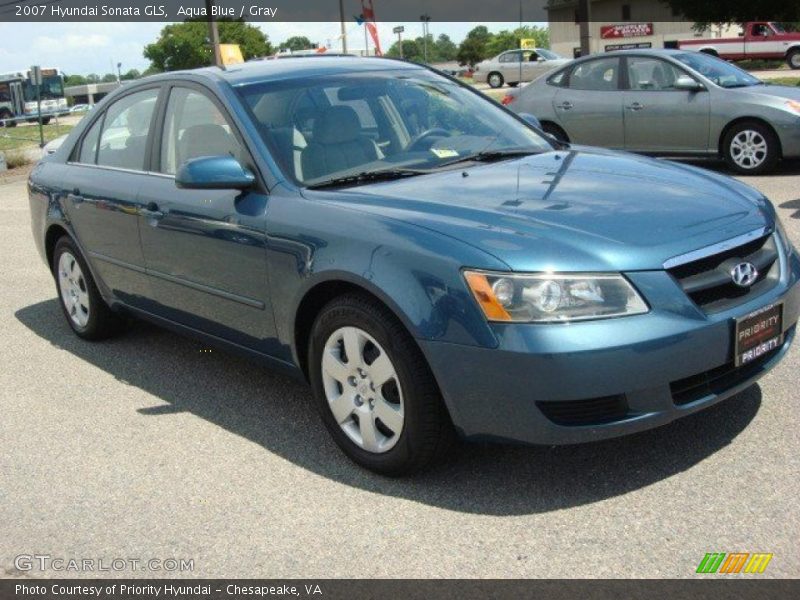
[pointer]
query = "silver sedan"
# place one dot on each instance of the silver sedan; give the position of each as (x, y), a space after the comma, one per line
(515, 66)
(667, 102)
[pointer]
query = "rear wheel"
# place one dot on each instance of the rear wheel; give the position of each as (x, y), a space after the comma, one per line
(555, 131)
(374, 390)
(495, 80)
(751, 148)
(46, 121)
(793, 59)
(85, 310)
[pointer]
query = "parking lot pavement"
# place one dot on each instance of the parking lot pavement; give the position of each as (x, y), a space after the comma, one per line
(149, 446)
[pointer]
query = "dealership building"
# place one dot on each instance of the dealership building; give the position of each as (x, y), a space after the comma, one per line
(622, 24)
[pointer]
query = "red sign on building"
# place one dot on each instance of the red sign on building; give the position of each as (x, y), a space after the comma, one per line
(626, 30)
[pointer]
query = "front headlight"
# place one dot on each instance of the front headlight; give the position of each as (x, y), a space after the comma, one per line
(553, 297)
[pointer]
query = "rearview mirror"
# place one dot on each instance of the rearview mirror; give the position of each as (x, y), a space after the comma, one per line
(214, 173)
(686, 83)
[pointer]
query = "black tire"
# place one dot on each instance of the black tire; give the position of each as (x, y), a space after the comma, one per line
(793, 59)
(513, 83)
(495, 80)
(102, 322)
(773, 148)
(6, 114)
(46, 121)
(555, 131)
(427, 432)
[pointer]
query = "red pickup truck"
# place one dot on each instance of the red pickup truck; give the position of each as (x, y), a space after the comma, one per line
(760, 39)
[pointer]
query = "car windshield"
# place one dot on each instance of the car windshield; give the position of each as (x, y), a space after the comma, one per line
(720, 72)
(404, 122)
(778, 27)
(547, 54)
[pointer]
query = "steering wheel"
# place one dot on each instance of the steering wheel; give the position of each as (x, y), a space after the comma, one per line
(419, 138)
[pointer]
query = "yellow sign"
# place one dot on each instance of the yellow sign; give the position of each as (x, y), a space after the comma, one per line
(528, 44)
(231, 54)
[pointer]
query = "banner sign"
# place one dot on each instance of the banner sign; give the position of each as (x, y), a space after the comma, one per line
(626, 30)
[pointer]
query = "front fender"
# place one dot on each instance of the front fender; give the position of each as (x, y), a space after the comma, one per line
(415, 272)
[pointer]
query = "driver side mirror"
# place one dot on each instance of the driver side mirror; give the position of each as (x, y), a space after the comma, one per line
(214, 173)
(688, 84)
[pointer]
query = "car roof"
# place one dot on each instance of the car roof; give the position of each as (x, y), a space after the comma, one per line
(637, 52)
(299, 67)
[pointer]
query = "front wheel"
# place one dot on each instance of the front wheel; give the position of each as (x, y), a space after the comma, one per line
(87, 313)
(6, 119)
(495, 80)
(751, 148)
(374, 390)
(793, 59)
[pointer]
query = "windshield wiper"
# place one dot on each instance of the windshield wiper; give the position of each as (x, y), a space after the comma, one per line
(366, 177)
(490, 156)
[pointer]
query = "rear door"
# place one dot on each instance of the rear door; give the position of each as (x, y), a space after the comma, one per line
(104, 175)
(659, 118)
(205, 249)
(589, 105)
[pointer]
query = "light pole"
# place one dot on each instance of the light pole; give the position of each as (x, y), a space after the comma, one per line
(399, 31)
(344, 30)
(425, 20)
(119, 72)
(213, 33)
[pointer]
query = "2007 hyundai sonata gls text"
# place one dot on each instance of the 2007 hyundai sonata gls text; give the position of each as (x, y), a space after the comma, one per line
(428, 261)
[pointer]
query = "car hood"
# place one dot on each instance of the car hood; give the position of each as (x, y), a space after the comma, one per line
(778, 91)
(574, 210)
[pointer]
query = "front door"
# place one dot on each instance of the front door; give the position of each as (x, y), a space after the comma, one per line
(589, 107)
(205, 249)
(659, 118)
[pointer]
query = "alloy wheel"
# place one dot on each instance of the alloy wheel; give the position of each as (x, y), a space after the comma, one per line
(362, 389)
(74, 292)
(748, 149)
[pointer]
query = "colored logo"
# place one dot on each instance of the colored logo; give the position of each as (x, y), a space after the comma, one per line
(735, 562)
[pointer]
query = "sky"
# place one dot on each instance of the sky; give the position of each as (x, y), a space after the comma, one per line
(83, 48)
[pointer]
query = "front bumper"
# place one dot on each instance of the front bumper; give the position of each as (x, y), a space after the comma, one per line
(630, 374)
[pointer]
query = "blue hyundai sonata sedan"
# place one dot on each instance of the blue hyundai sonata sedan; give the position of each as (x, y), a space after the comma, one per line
(429, 262)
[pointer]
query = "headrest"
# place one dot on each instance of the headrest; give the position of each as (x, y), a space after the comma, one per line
(208, 139)
(337, 124)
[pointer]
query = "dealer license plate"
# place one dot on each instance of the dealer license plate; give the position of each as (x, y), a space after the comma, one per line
(758, 333)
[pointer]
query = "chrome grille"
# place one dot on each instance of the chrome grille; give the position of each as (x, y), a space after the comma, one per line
(708, 282)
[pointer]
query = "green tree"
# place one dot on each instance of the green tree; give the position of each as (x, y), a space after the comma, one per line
(185, 45)
(708, 12)
(509, 40)
(297, 42)
(411, 50)
(131, 74)
(108, 78)
(446, 50)
(74, 80)
(92, 78)
(472, 49)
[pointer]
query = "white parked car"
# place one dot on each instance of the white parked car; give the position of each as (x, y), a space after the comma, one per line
(515, 66)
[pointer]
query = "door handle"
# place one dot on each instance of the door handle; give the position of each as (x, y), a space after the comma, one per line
(75, 196)
(151, 211)
(566, 105)
(636, 106)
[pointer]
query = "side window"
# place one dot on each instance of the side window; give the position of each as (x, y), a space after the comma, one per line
(194, 127)
(510, 57)
(645, 73)
(559, 79)
(88, 152)
(123, 143)
(598, 75)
